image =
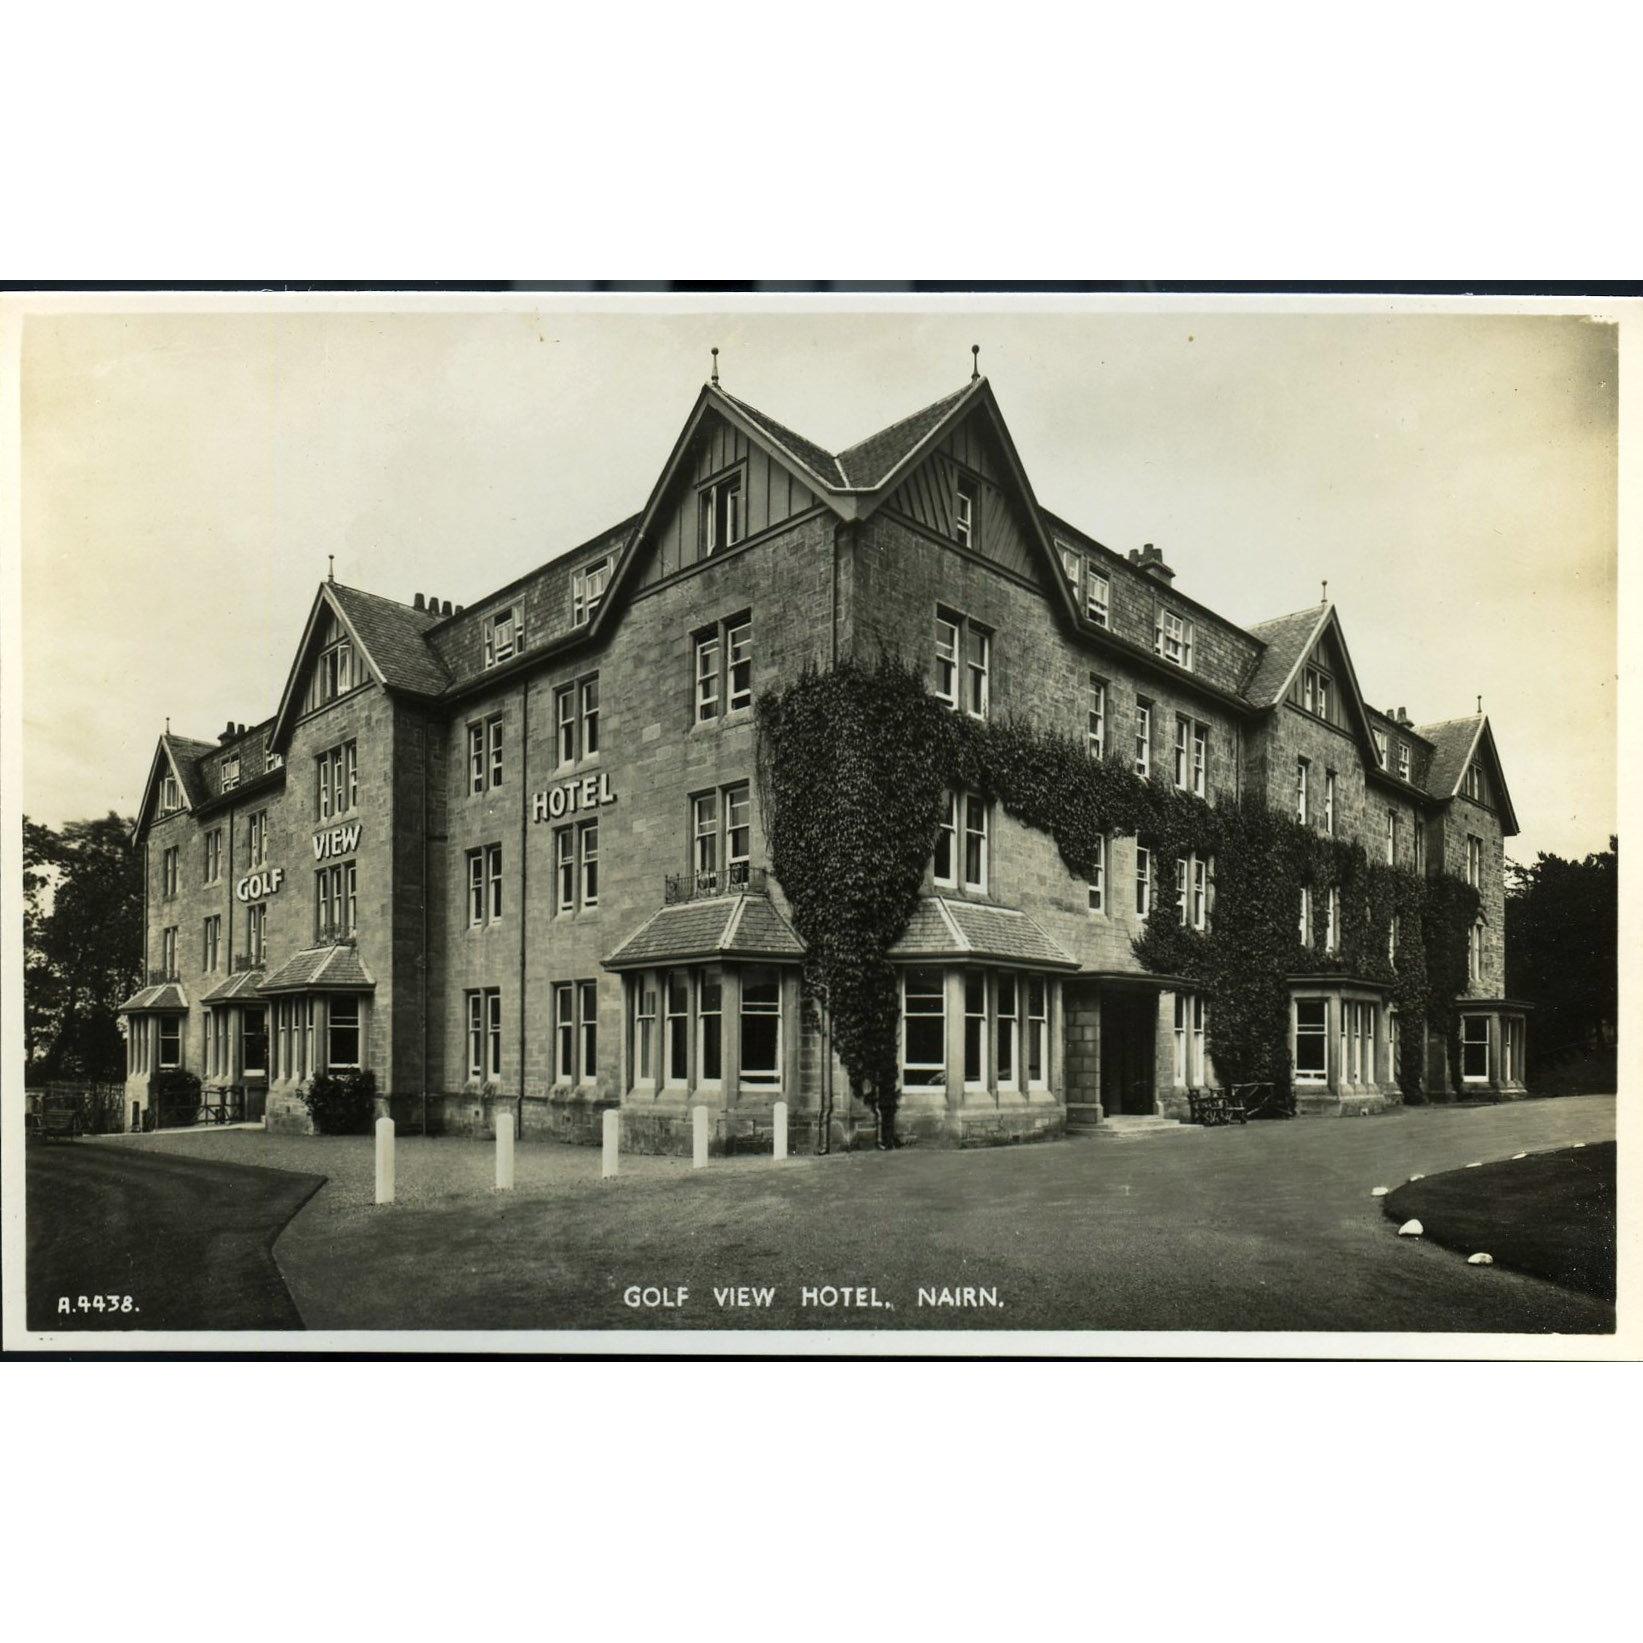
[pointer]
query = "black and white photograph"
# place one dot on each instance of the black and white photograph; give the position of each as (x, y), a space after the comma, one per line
(876, 823)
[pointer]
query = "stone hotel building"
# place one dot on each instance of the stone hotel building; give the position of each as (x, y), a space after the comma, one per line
(509, 855)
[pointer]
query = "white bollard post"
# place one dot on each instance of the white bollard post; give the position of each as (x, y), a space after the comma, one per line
(385, 1160)
(504, 1151)
(698, 1124)
(612, 1137)
(780, 1111)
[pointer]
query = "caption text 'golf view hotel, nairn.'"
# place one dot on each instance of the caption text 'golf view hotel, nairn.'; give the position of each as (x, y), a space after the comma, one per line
(510, 857)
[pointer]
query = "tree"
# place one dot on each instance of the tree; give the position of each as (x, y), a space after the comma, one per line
(1562, 948)
(82, 943)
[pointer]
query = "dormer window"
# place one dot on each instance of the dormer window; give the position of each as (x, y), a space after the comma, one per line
(502, 635)
(231, 772)
(722, 522)
(1315, 691)
(339, 668)
(1380, 748)
(1403, 760)
(1474, 782)
(1096, 597)
(1072, 563)
(965, 511)
(587, 589)
(170, 799)
(272, 761)
(1172, 638)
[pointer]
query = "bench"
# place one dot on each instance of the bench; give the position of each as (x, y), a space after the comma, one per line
(1216, 1107)
(60, 1123)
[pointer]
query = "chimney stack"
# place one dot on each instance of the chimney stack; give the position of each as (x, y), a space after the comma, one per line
(1147, 558)
(419, 603)
(227, 734)
(445, 608)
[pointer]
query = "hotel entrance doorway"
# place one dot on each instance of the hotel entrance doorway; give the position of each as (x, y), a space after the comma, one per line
(1129, 1049)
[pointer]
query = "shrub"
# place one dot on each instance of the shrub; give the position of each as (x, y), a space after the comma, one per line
(341, 1103)
(175, 1097)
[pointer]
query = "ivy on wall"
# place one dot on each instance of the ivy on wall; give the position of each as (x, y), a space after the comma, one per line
(853, 765)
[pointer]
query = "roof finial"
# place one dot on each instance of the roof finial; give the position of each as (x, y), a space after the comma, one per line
(975, 361)
(168, 724)
(331, 574)
(1324, 599)
(715, 364)
(1480, 704)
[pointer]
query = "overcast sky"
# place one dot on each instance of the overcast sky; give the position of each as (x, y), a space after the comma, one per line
(185, 476)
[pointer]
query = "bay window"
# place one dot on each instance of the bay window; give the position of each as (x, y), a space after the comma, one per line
(342, 1031)
(1311, 1041)
(1038, 1033)
(709, 1026)
(761, 1024)
(1006, 1062)
(923, 1029)
(1474, 1049)
(975, 1029)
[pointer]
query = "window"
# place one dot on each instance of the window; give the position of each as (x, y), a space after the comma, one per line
(564, 713)
(1474, 861)
(1474, 952)
(1391, 837)
(975, 842)
(1198, 1066)
(342, 1031)
(335, 901)
(1182, 1077)
(1380, 748)
(1306, 915)
(171, 1041)
(212, 945)
(1200, 760)
(587, 590)
(338, 781)
(1038, 1033)
(485, 754)
(1183, 739)
(564, 1032)
(168, 952)
(1394, 1043)
(1329, 801)
(485, 885)
(1203, 871)
(1315, 690)
(339, 667)
(501, 632)
(678, 1027)
(1098, 876)
(590, 716)
(588, 838)
(1098, 717)
(1172, 638)
(735, 851)
(256, 932)
(1072, 564)
(1332, 918)
(724, 668)
(1473, 786)
(709, 1025)
(564, 869)
(1303, 776)
(964, 511)
(957, 635)
(485, 1034)
(738, 834)
(1143, 738)
(213, 855)
(168, 872)
(1420, 847)
(272, 761)
(231, 772)
(1181, 889)
(1392, 929)
(923, 1029)
(761, 1061)
(1311, 1041)
(722, 524)
(1511, 1049)
(1006, 1062)
(1474, 1049)
(945, 869)
(1096, 599)
(169, 797)
(587, 1028)
(705, 834)
(256, 839)
(1403, 760)
(644, 1032)
(1143, 881)
(975, 1029)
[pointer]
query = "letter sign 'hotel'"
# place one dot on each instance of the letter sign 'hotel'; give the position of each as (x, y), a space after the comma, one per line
(509, 856)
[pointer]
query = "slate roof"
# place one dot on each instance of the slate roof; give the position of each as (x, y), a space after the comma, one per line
(242, 984)
(1287, 639)
(868, 463)
(822, 463)
(1452, 743)
(167, 995)
(945, 927)
(186, 754)
(746, 926)
(320, 970)
(392, 635)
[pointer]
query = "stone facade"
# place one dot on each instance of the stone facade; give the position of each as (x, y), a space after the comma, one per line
(513, 996)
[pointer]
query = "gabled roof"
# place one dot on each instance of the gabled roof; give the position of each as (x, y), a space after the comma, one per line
(1288, 640)
(867, 464)
(321, 970)
(743, 926)
(946, 927)
(180, 756)
(820, 464)
(167, 995)
(1455, 743)
(389, 635)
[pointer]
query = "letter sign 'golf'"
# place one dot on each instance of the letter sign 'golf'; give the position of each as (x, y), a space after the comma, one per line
(254, 886)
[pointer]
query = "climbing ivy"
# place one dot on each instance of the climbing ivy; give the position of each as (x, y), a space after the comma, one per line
(853, 764)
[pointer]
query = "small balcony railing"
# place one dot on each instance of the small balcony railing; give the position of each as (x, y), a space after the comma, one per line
(734, 880)
(247, 961)
(162, 974)
(336, 935)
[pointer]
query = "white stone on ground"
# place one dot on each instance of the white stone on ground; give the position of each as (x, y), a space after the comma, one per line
(1417, 1177)
(1517, 1155)
(1477, 1163)
(1411, 1229)
(1579, 1145)
(1379, 1192)
(1480, 1259)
